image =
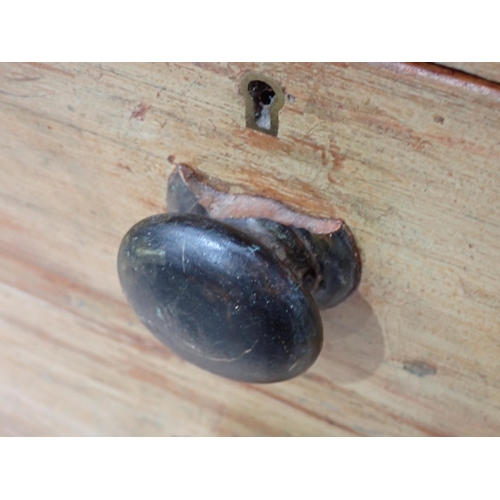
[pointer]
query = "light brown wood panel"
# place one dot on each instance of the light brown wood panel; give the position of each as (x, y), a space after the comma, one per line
(488, 70)
(408, 157)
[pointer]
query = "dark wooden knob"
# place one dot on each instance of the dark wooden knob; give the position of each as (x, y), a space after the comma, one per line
(236, 297)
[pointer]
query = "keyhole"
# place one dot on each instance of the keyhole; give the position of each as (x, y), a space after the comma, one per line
(263, 100)
(263, 96)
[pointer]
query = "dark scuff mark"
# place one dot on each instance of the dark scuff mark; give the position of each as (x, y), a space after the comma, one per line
(140, 111)
(419, 368)
(124, 167)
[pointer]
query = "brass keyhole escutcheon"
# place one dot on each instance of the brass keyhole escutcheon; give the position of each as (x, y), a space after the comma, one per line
(263, 100)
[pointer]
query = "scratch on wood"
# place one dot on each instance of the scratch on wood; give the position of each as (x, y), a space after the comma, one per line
(419, 368)
(140, 111)
(50, 68)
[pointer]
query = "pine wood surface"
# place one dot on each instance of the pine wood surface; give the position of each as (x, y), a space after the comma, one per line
(487, 70)
(408, 157)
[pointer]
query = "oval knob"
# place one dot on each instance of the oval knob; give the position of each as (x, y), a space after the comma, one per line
(237, 297)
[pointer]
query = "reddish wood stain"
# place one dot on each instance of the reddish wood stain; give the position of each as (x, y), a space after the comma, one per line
(139, 112)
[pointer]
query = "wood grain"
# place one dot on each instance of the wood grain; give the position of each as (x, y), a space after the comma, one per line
(488, 70)
(408, 157)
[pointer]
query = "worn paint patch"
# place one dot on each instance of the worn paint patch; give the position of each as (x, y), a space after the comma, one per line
(419, 368)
